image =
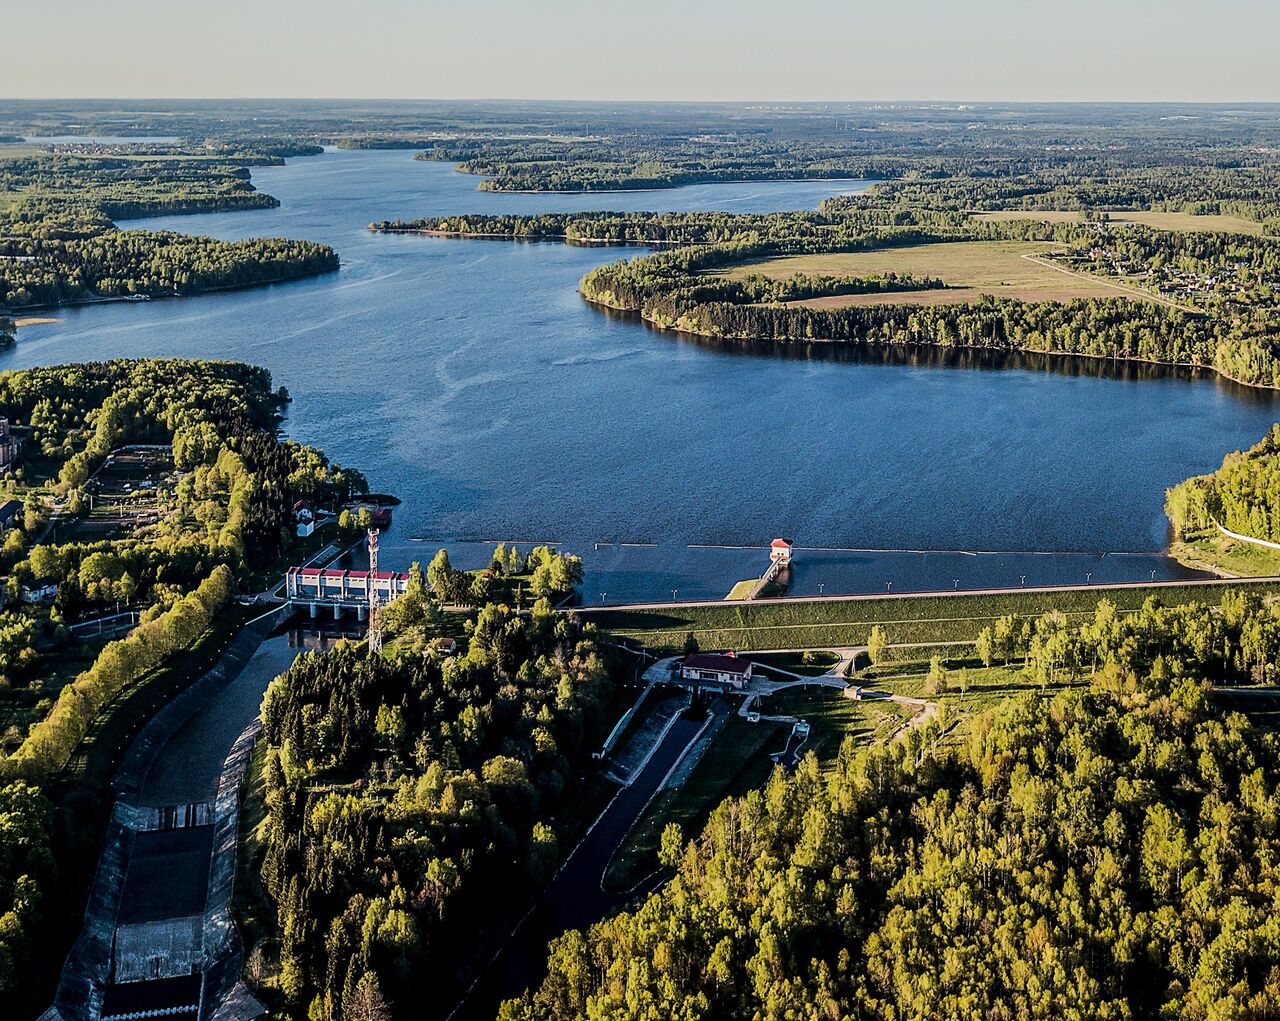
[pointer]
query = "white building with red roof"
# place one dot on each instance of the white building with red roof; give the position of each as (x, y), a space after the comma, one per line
(724, 669)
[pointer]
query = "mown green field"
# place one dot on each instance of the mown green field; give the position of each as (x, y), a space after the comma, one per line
(818, 624)
(970, 269)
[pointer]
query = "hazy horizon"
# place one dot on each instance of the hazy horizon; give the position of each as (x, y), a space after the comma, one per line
(755, 52)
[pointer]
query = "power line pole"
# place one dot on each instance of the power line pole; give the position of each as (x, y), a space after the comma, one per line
(375, 617)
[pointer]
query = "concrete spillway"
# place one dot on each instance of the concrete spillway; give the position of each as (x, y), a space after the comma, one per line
(158, 933)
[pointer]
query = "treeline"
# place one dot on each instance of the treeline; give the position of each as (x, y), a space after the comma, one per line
(1104, 851)
(1243, 495)
(796, 228)
(645, 163)
(97, 189)
(674, 290)
(28, 877)
(52, 741)
(60, 244)
(544, 574)
(413, 802)
(1250, 190)
(679, 289)
(38, 271)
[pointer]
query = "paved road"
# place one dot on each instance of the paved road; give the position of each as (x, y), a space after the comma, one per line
(575, 898)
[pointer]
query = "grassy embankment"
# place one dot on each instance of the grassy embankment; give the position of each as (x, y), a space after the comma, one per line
(1215, 552)
(832, 623)
(970, 269)
(736, 761)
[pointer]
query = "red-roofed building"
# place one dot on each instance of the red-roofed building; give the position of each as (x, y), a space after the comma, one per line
(780, 551)
(724, 669)
(305, 518)
(311, 584)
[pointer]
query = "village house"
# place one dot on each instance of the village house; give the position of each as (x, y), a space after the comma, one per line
(445, 646)
(40, 591)
(9, 511)
(305, 518)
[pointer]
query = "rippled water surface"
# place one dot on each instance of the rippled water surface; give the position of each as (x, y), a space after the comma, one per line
(469, 378)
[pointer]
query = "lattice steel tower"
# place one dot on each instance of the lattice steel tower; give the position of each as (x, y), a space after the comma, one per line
(375, 608)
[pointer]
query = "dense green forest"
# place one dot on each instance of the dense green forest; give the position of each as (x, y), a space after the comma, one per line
(414, 801)
(1243, 495)
(230, 511)
(1104, 851)
(37, 271)
(59, 244)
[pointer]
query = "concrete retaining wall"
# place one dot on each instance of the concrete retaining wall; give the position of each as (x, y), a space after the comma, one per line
(88, 967)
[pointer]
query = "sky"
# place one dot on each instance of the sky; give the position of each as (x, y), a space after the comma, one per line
(782, 50)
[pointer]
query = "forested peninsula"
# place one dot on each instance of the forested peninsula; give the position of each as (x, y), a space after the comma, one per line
(59, 243)
(1202, 301)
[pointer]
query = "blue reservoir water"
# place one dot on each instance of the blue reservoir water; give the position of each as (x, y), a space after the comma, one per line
(469, 378)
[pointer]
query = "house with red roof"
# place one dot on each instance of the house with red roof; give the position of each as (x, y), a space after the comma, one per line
(723, 669)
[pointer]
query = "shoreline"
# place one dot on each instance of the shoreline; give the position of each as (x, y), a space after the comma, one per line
(834, 343)
(869, 181)
(529, 238)
(142, 299)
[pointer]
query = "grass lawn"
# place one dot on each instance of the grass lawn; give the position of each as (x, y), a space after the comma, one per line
(835, 623)
(1218, 553)
(742, 589)
(832, 718)
(1152, 218)
(968, 268)
(819, 662)
(735, 762)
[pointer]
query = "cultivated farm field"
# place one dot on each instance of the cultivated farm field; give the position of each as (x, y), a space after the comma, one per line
(970, 269)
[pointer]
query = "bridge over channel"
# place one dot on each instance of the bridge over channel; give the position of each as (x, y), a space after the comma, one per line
(316, 587)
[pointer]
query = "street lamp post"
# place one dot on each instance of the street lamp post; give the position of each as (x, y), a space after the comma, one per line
(1022, 580)
(820, 588)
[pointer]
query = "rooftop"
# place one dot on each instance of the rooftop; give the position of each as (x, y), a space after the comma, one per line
(724, 663)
